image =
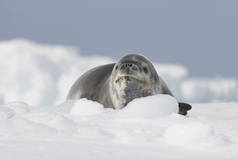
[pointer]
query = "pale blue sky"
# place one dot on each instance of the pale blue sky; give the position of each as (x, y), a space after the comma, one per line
(202, 34)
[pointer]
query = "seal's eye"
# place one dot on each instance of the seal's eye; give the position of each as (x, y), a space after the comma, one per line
(116, 67)
(145, 69)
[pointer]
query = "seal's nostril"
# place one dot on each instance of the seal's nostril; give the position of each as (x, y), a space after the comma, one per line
(128, 66)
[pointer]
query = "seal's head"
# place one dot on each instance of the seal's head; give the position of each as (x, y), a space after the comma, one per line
(132, 77)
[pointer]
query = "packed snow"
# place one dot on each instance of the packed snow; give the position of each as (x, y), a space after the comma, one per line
(37, 122)
(148, 127)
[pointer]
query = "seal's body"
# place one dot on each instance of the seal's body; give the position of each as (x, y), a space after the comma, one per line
(115, 85)
(94, 85)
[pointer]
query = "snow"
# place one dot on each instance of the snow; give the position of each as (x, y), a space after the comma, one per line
(43, 74)
(40, 74)
(37, 122)
(84, 129)
(85, 107)
(148, 107)
(218, 89)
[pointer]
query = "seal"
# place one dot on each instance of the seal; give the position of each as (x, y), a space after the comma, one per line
(115, 85)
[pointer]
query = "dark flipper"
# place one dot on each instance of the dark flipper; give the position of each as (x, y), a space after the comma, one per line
(183, 108)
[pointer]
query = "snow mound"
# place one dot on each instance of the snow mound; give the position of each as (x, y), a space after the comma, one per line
(142, 108)
(6, 112)
(188, 133)
(19, 107)
(150, 107)
(147, 126)
(85, 107)
(62, 123)
(195, 134)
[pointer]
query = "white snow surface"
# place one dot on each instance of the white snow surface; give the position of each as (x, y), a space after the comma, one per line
(42, 74)
(148, 127)
(37, 123)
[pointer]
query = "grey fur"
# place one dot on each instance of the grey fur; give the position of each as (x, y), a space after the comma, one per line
(115, 85)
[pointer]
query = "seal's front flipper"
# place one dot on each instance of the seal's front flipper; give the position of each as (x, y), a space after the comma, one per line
(183, 108)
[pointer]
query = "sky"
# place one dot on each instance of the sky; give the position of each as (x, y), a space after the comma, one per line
(201, 35)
